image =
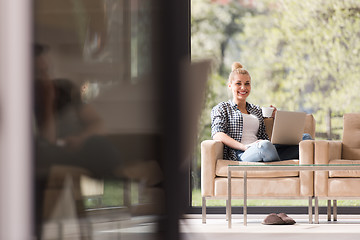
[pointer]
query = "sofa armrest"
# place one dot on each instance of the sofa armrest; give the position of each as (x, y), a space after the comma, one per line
(306, 152)
(324, 152)
(327, 150)
(211, 150)
(306, 156)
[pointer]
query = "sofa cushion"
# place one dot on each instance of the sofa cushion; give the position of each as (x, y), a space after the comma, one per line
(221, 169)
(343, 187)
(348, 173)
(259, 187)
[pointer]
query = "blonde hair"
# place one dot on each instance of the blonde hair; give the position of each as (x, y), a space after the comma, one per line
(237, 68)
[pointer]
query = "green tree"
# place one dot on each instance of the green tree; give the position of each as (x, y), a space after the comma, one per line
(304, 55)
(213, 26)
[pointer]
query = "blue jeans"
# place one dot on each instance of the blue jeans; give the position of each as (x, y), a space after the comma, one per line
(265, 151)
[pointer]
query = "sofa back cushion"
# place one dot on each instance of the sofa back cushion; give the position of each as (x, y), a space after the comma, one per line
(309, 125)
(351, 137)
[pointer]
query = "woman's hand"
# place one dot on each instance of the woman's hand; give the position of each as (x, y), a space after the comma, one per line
(252, 144)
(274, 112)
(228, 141)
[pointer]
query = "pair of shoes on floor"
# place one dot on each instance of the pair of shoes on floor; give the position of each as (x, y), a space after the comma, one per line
(278, 219)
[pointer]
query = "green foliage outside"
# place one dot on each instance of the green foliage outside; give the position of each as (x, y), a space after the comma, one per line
(302, 56)
(196, 202)
(113, 195)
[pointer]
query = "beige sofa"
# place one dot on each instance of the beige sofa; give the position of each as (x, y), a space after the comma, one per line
(333, 185)
(272, 184)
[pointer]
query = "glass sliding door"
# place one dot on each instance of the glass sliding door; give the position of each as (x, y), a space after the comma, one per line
(290, 69)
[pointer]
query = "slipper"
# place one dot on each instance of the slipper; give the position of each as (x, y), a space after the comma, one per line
(273, 219)
(288, 220)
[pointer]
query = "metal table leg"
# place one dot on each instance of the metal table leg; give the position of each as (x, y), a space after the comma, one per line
(245, 198)
(310, 210)
(316, 210)
(203, 210)
(335, 210)
(228, 205)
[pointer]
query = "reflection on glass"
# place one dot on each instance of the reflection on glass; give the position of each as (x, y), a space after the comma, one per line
(97, 137)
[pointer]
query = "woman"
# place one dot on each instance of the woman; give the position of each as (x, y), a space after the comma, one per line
(240, 125)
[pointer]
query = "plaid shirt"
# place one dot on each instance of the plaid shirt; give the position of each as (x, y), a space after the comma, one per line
(227, 118)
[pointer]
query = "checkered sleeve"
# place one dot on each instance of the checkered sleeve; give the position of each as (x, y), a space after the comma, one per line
(219, 120)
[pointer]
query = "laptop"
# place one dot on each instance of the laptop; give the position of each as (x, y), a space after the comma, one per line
(288, 127)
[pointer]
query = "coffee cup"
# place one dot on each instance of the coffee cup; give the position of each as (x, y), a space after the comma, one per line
(267, 111)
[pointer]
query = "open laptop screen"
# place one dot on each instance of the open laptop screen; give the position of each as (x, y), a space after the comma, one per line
(288, 127)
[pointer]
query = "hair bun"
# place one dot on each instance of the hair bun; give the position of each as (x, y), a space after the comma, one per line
(236, 65)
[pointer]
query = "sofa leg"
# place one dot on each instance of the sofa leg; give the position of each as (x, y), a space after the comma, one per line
(335, 210)
(227, 205)
(329, 210)
(203, 210)
(316, 210)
